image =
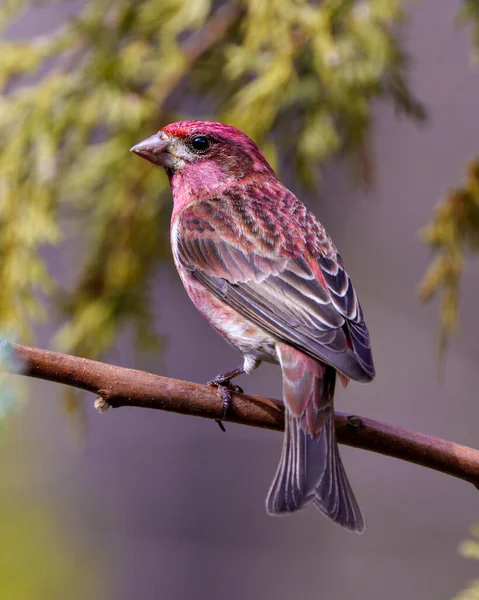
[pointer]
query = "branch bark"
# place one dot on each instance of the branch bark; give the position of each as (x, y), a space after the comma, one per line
(118, 386)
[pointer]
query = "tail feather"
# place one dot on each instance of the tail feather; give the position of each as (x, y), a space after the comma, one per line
(310, 469)
(311, 472)
(333, 495)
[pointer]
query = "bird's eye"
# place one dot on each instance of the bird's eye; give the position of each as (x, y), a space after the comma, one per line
(200, 144)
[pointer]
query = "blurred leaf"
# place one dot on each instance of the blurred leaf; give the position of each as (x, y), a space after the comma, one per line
(469, 15)
(452, 233)
(470, 549)
(454, 230)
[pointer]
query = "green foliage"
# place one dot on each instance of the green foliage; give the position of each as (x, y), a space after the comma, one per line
(454, 230)
(297, 75)
(470, 549)
(469, 14)
(316, 67)
(74, 102)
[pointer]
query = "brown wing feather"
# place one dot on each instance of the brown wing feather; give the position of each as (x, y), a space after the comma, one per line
(307, 302)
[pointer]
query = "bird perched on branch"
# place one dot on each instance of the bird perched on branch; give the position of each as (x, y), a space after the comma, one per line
(262, 270)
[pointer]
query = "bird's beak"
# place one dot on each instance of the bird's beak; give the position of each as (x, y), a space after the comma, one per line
(153, 149)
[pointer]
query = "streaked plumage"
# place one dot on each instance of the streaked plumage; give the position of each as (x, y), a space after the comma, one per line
(263, 271)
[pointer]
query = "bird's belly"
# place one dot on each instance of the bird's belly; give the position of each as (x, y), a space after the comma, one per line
(248, 338)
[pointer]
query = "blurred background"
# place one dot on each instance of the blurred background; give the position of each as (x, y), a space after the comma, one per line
(370, 111)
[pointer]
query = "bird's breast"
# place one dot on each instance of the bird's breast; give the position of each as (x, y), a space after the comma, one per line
(241, 333)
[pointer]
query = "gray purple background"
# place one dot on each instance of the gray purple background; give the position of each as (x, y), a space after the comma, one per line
(156, 505)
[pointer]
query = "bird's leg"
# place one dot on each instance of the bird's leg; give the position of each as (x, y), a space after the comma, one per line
(225, 388)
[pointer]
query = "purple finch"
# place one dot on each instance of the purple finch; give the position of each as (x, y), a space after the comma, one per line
(262, 270)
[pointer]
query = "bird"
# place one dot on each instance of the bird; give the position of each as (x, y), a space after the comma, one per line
(263, 271)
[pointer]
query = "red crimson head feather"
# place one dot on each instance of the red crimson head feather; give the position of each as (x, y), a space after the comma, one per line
(190, 146)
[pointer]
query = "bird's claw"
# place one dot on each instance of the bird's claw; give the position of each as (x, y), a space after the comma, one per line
(225, 388)
(222, 382)
(220, 425)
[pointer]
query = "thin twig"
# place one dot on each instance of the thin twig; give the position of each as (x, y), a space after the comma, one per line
(117, 386)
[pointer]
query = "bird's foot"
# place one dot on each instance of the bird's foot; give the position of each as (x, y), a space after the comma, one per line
(221, 384)
(226, 388)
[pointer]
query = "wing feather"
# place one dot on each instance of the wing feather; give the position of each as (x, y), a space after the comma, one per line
(307, 302)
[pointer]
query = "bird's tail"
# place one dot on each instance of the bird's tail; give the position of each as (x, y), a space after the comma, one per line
(310, 470)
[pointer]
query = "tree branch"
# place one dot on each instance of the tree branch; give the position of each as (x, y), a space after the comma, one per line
(117, 386)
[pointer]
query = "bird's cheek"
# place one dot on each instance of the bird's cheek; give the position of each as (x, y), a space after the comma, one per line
(170, 161)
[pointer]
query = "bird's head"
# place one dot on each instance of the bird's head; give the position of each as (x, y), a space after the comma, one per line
(203, 152)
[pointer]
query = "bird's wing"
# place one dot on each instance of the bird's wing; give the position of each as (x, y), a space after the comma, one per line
(307, 303)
